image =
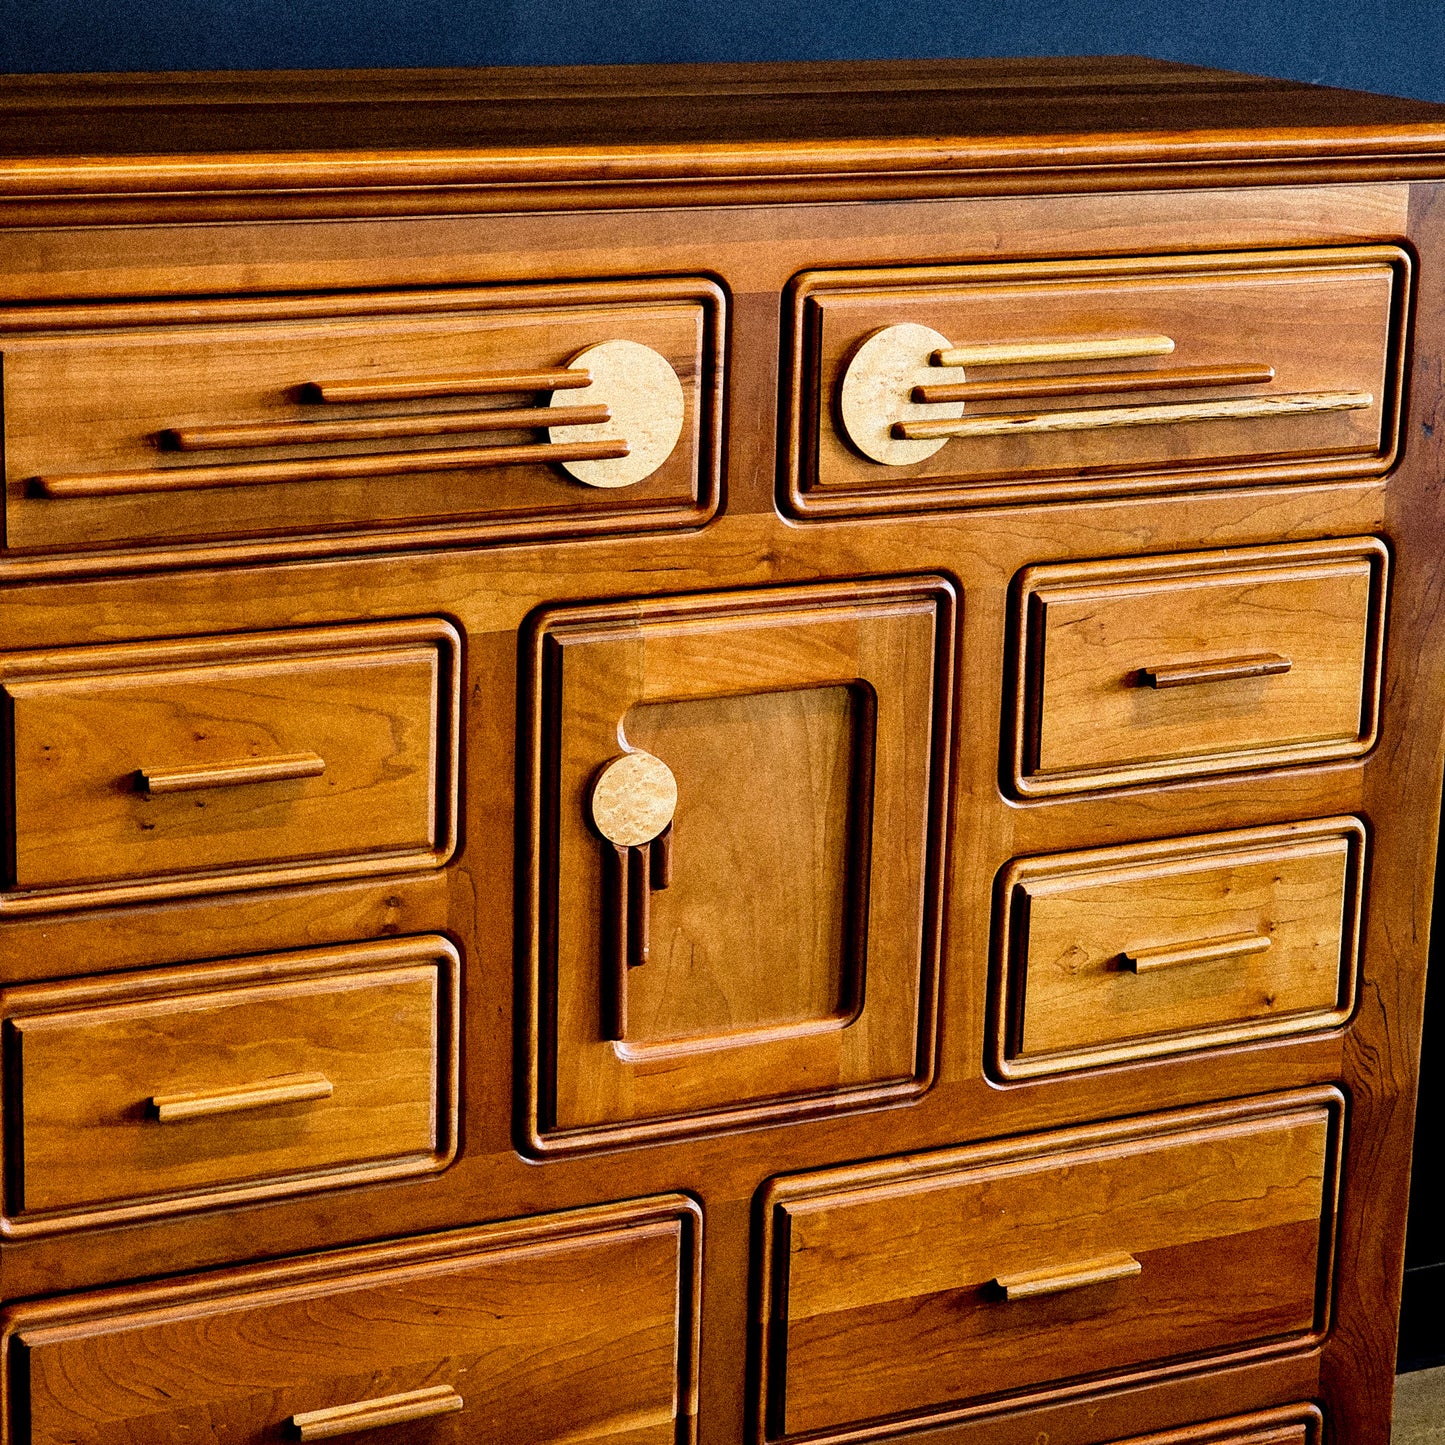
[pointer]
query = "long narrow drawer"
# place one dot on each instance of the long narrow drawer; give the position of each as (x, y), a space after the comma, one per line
(146, 770)
(1156, 948)
(190, 1087)
(938, 1281)
(1153, 668)
(568, 1328)
(944, 386)
(484, 412)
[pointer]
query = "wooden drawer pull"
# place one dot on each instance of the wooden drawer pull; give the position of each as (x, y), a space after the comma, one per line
(156, 781)
(1108, 417)
(1020, 388)
(420, 388)
(373, 1414)
(1210, 950)
(225, 435)
(322, 469)
(1223, 669)
(1022, 353)
(198, 1104)
(1033, 1283)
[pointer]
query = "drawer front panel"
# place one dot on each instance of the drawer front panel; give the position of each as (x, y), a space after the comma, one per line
(1122, 953)
(155, 769)
(966, 385)
(1154, 668)
(168, 422)
(1291, 1425)
(768, 939)
(901, 1289)
(575, 1328)
(178, 1088)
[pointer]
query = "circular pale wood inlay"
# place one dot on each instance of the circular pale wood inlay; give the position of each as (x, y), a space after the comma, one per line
(641, 390)
(878, 387)
(633, 799)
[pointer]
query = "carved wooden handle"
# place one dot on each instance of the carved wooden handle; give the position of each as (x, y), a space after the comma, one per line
(372, 1414)
(1222, 669)
(1102, 418)
(156, 781)
(1032, 1283)
(1019, 353)
(421, 388)
(1209, 950)
(1020, 388)
(201, 1103)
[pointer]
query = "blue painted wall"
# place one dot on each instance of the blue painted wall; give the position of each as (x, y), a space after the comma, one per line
(1389, 45)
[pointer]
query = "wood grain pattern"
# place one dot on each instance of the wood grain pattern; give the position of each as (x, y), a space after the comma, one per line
(572, 1328)
(885, 1298)
(85, 404)
(343, 1064)
(1287, 311)
(1089, 634)
(1155, 948)
(761, 955)
(378, 701)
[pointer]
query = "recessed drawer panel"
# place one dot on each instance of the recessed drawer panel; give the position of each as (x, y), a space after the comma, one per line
(946, 386)
(1121, 953)
(570, 1328)
(180, 1088)
(498, 412)
(1152, 668)
(167, 768)
(901, 1289)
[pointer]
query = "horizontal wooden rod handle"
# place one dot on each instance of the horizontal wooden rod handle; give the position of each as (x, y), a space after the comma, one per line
(1021, 353)
(237, 1098)
(1208, 950)
(156, 781)
(1033, 1283)
(222, 436)
(1218, 669)
(373, 1414)
(422, 388)
(320, 469)
(1094, 383)
(1108, 418)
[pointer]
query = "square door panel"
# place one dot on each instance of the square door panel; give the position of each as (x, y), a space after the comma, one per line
(1147, 669)
(738, 825)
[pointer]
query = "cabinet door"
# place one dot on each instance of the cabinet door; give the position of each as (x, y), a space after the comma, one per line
(737, 825)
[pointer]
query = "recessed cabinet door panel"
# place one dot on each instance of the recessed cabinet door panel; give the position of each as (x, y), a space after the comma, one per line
(739, 834)
(909, 1287)
(572, 1329)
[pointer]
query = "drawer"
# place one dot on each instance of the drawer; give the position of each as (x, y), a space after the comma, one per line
(946, 386)
(1157, 948)
(186, 1088)
(499, 412)
(569, 1328)
(1153, 668)
(159, 769)
(739, 839)
(908, 1288)
(1290, 1425)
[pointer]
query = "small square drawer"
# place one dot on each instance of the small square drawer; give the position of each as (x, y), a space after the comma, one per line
(739, 833)
(162, 769)
(193, 1087)
(1149, 669)
(1157, 948)
(920, 388)
(906, 1289)
(478, 413)
(561, 1330)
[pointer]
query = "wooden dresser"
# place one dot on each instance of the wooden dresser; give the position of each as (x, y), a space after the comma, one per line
(728, 755)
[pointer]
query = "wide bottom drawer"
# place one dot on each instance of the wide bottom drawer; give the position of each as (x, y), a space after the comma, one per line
(575, 1328)
(937, 1282)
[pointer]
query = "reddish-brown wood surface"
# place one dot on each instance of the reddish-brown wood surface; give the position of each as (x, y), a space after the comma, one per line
(1007, 162)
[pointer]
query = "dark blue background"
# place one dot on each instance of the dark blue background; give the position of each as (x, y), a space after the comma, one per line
(1397, 46)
